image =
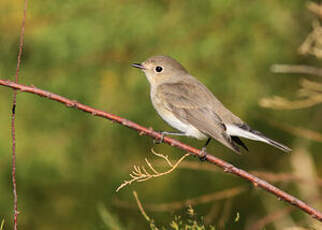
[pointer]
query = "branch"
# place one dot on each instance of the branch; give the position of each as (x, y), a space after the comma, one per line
(269, 176)
(283, 103)
(141, 206)
(297, 69)
(140, 173)
(13, 119)
(138, 202)
(227, 167)
(310, 94)
(299, 131)
(312, 43)
(315, 8)
(176, 205)
(260, 224)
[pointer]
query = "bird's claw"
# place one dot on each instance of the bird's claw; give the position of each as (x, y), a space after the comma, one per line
(203, 154)
(159, 141)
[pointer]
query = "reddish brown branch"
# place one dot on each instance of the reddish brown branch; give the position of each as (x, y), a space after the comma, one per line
(227, 167)
(13, 119)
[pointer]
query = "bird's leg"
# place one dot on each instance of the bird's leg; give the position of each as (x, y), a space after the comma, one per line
(203, 153)
(163, 133)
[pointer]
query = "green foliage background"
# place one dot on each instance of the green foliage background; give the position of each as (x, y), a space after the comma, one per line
(69, 163)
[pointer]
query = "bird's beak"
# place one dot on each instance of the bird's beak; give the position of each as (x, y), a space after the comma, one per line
(137, 65)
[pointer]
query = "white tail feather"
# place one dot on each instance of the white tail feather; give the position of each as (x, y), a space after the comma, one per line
(234, 130)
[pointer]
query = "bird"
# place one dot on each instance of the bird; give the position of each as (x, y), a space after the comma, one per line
(190, 107)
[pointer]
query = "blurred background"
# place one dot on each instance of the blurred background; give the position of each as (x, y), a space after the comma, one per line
(70, 163)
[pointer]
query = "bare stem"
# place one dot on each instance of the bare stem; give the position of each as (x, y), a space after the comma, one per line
(138, 202)
(140, 173)
(296, 69)
(13, 119)
(315, 8)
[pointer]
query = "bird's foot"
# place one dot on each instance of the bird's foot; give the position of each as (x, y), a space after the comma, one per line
(203, 154)
(159, 141)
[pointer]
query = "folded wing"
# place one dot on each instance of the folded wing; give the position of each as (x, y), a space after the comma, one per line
(191, 102)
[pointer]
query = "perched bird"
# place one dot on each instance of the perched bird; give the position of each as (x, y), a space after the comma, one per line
(190, 107)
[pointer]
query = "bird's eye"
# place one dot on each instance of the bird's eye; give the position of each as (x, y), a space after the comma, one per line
(158, 69)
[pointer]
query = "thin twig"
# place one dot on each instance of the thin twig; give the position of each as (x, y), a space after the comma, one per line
(140, 174)
(227, 167)
(315, 8)
(260, 224)
(312, 43)
(165, 157)
(299, 131)
(138, 202)
(283, 103)
(269, 176)
(13, 119)
(176, 205)
(213, 213)
(225, 214)
(311, 86)
(207, 198)
(296, 69)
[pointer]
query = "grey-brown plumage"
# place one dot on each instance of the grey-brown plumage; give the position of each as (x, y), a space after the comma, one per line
(189, 106)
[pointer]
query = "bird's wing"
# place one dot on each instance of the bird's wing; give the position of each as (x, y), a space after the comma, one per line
(191, 103)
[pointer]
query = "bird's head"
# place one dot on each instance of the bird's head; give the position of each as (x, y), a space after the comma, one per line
(161, 69)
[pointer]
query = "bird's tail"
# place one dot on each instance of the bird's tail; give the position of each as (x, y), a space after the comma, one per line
(277, 145)
(246, 132)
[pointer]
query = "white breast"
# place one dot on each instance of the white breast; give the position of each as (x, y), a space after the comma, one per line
(173, 121)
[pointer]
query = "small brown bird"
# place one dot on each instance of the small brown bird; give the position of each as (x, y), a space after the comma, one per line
(189, 106)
